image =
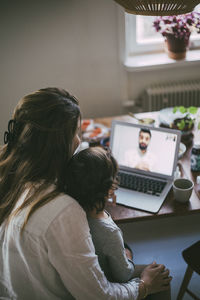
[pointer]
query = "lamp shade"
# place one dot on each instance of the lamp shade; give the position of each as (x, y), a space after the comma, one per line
(158, 7)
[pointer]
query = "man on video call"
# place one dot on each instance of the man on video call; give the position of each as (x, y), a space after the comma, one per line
(141, 158)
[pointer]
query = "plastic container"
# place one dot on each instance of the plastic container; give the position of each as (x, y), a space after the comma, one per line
(195, 157)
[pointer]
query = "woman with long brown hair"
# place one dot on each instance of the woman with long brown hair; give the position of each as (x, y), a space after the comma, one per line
(46, 251)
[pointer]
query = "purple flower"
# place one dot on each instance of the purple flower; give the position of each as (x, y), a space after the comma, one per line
(180, 26)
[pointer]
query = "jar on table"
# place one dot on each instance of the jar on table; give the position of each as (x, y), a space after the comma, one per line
(195, 157)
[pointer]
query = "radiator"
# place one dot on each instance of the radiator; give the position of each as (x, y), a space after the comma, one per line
(174, 94)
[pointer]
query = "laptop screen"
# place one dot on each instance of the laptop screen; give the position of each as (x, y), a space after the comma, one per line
(144, 148)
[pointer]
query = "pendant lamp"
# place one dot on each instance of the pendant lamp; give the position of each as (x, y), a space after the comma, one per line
(158, 7)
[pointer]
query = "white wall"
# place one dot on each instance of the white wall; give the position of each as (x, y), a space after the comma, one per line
(67, 43)
(74, 44)
(138, 80)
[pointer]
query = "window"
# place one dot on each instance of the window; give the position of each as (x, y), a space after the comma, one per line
(141, 36)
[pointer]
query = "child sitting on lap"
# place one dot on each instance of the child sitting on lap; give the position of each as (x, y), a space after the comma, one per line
(91, 180)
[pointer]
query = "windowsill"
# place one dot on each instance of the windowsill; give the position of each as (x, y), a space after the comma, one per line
(159, 61)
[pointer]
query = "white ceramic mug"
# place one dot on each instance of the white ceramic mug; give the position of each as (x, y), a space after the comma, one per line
(182, 189)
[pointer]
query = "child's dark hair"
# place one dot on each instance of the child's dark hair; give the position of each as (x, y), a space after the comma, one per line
(91, 173)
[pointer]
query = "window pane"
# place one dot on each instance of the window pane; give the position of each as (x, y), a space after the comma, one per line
(195, 34)
(146, 33)
(197, 8)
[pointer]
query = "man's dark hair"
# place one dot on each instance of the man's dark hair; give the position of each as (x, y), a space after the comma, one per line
(146, 130)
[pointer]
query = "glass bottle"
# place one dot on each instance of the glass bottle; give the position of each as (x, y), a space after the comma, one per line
(198, 185)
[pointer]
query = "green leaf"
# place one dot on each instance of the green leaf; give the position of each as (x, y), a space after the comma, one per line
(182, 109)
(181, 125)
(175, 109)
(192, 110)
(190, 123)
(199, 125)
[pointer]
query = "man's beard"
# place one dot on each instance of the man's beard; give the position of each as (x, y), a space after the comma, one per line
(143, 146)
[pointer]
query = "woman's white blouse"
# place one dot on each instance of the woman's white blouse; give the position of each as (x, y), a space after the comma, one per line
(54, 257)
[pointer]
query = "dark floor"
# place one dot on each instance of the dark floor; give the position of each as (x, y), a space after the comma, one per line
(163, 241)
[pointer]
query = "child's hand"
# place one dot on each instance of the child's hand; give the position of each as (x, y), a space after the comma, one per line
(112, 196)
(128, 251)
(128, 254)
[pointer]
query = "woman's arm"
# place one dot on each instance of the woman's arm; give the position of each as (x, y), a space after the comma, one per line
(71, 252)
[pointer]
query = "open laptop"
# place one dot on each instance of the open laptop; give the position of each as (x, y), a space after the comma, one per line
(147, 158)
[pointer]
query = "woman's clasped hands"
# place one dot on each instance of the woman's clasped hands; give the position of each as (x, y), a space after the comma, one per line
(156, 278)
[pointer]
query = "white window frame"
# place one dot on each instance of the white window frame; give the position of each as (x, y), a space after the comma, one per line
(133, 48)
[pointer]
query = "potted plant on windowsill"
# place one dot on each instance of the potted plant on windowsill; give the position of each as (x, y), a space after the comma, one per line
(177, 30)
(185, 123)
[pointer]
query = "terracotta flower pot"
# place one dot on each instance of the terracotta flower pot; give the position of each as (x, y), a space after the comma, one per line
(176, 47)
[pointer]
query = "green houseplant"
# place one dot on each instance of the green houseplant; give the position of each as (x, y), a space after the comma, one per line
(186, 123)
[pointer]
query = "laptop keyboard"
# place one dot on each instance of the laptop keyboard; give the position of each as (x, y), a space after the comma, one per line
(141, 184)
